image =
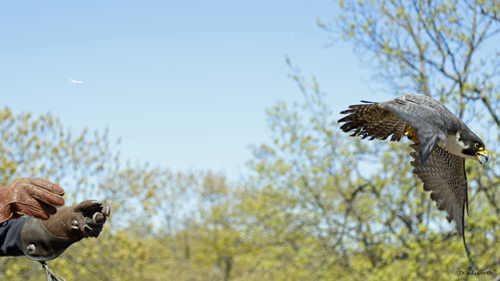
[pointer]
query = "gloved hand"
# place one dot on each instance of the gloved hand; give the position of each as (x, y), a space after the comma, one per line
(29, 196)
(83, 220)
(46, 240)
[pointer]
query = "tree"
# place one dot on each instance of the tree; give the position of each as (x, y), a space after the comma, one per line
(318, 205)
(41, 147)
(429, 47)
(441, 49)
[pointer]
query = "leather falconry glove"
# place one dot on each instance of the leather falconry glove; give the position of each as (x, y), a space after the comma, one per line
(46, 240)
(29, 196)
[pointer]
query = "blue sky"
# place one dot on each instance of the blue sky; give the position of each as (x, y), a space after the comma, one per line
(184, 83)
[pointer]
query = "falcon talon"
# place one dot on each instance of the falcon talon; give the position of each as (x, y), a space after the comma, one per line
(411, 134)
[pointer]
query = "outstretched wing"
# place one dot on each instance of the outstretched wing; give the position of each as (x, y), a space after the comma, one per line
(380, 120)
(370, 120)
(444, 175)
(429, 122)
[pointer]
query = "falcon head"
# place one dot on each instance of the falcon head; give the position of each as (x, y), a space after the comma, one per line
(473, 148)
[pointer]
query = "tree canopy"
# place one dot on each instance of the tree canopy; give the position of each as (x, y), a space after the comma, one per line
(316, 205)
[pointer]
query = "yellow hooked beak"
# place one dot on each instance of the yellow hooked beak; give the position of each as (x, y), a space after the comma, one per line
(482, 156)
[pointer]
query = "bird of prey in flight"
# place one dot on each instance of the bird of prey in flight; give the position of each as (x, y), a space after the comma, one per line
(74, 81)
(440, 140)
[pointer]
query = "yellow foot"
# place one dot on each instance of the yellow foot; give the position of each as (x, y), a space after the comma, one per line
(411, 134)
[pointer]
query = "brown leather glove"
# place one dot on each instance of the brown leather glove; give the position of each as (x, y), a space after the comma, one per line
(46, 240)
(30, 196)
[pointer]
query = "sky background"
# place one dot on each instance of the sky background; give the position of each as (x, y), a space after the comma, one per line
(185, 84)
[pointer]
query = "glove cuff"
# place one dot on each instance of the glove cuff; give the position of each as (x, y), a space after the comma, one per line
(41, 245)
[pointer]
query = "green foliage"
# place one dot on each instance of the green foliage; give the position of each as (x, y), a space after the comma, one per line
(317, 205)
(42, 147)
(435, 48)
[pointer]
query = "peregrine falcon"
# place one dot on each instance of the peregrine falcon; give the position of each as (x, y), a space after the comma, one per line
(441, 142)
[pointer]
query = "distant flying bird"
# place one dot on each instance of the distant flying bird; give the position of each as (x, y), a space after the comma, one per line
(440, 139)
(75, 82)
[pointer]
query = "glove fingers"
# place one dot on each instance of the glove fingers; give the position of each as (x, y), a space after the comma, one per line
(47, 197)
(39, 206)
(92, 225)
(106, 210)
(93, 231)
(98, 218)
(47, 209)
(95, 214)
(46, 185)
(34, 208)
(87, 206)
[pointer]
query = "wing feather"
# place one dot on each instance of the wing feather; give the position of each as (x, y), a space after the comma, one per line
(428, 121)
(370, 120)
(444, 175)
(441, 172)
(431, 120)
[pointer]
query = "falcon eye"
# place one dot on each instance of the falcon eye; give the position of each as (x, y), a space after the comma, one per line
(478, 146)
